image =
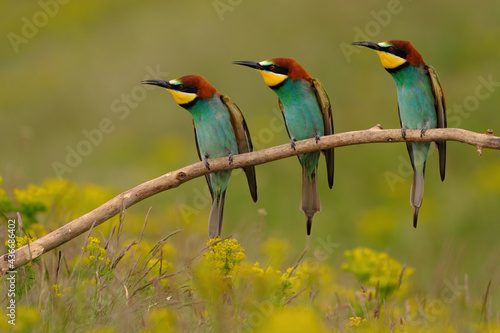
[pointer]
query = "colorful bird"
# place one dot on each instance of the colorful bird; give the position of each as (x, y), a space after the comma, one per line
(220, 130)
(421, 106)
(307, 112)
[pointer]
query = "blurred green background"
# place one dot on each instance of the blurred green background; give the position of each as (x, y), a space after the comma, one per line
(67, 67)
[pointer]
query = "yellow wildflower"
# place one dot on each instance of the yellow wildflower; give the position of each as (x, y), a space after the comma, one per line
(354, 322)
(59, 291)
(94, 251)
(21, 241)
(225, 255)
(256, 269)
(374, 269)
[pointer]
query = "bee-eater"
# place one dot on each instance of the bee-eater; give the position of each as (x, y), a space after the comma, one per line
(307, 112)
(220, 130)
(421, 106)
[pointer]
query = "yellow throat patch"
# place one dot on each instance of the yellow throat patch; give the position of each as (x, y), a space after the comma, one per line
(272, 79)
(182, 97)
(390, 61)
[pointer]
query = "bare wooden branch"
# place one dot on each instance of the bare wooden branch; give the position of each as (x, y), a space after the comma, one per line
(175, 178)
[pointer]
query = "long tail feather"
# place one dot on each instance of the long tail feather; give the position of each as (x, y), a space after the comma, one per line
(216, 218)
(442, 158)
(252, 182)
(415, 216)
(309, 202)
(416, 194)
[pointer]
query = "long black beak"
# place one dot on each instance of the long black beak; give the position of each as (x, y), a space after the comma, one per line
(160, 83)
(370, 45)
(251, 64)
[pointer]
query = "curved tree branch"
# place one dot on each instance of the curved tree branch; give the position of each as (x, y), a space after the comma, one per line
(175, 178)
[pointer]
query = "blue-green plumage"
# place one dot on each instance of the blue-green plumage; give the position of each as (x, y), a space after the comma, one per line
(421, 106)
(416, 107)
(415, 98)
(215, 136)
(302, 116)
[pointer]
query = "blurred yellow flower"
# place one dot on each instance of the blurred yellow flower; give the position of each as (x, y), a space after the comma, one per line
(161, 265)
(374, 269)
(21, 241)
(293, 320)
(27, 319)
(256, 269)
(276, 249)
(354, 322)
(33, 199)
(59, 291)
(287, 281)
(37, 229)
(32, 195)
(64, 198)
(160, 320)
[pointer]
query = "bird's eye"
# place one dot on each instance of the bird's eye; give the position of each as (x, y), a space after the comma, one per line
(390, 49)
(271, 67)
(181, 87)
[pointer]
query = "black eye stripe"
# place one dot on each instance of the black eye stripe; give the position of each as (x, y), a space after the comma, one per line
(275, 69)
(400, 53)
(396, 52)
(184, 88)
